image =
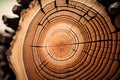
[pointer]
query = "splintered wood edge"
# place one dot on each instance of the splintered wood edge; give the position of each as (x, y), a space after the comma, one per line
(15, 57)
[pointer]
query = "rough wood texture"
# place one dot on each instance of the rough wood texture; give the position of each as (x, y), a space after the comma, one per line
(5, 38)
(65, 39)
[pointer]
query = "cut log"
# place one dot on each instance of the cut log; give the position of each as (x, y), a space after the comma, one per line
(65, 40)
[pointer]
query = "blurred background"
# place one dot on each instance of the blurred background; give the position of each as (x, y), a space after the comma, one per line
(6, 9)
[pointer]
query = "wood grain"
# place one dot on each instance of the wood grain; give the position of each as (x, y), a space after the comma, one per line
(65, 39)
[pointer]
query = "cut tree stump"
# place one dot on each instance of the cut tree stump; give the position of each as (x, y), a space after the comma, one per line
(65, 40)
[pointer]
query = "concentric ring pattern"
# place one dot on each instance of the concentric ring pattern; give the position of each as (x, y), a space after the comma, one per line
(69, 40)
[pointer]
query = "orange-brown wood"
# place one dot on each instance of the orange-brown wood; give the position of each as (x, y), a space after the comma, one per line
(68, 41)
